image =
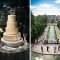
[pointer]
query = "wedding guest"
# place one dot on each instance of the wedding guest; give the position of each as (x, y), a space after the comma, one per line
(55, 48)
(47, 48)
(57, 41)
(41, 48)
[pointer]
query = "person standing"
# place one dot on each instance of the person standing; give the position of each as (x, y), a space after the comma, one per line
(36, 41)
(41, 48)
(57, 41)
(54, 48)
(58, 47)
(47, 48)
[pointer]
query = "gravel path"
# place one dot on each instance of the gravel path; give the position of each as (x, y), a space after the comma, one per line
(51, 49)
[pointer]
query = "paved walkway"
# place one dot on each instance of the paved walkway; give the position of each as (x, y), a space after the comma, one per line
(37, 49)
(43, 35)
(58, 32)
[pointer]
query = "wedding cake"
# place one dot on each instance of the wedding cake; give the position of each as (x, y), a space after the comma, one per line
(11, 36)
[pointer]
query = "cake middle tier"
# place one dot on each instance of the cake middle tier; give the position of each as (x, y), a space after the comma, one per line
(11, 37)
(11, 30)
(11, 24)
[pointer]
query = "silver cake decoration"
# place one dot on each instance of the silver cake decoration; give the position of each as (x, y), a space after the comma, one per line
(12, 11)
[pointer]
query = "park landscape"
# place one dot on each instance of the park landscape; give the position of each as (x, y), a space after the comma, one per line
(45, 29)
(46, 35)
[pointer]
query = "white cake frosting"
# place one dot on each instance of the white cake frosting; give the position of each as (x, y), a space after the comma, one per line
(9, 37)
(11, 31)
(11, 24)
(11, 18)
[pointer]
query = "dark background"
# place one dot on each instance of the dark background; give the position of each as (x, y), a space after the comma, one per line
(22, 13)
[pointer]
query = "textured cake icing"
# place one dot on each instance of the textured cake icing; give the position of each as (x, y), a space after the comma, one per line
(11, 31)
(11, 37)
(11, 24)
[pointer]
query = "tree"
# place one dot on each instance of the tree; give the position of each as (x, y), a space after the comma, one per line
(32, 19)
(38, 24)
(34, 34)
(58, 24)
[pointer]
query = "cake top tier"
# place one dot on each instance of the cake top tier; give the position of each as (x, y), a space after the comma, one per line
(11, 18)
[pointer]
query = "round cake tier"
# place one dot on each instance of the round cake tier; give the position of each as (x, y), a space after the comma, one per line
(11, 37)
(11, 18)
(11, 24)
(11, 44)
(11, 30)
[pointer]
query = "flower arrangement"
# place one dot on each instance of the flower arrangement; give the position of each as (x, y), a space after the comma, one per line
(1, 30)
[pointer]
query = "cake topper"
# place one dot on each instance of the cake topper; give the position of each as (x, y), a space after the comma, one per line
(12, 11)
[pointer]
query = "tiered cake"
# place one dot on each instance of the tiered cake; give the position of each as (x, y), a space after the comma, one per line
(11, 36)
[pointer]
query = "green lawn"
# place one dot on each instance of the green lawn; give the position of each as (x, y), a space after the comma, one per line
(56, 38)
(58, 58)
(47, 36)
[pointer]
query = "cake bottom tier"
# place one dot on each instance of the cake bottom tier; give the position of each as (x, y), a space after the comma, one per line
(12, 37)
(12, 44)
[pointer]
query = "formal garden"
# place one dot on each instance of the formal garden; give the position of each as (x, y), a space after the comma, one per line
(38, 25)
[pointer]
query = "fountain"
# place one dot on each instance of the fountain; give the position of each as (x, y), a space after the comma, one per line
(52, 35)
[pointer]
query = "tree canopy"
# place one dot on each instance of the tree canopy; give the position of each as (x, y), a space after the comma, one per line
(38, 24)
(58, 24)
